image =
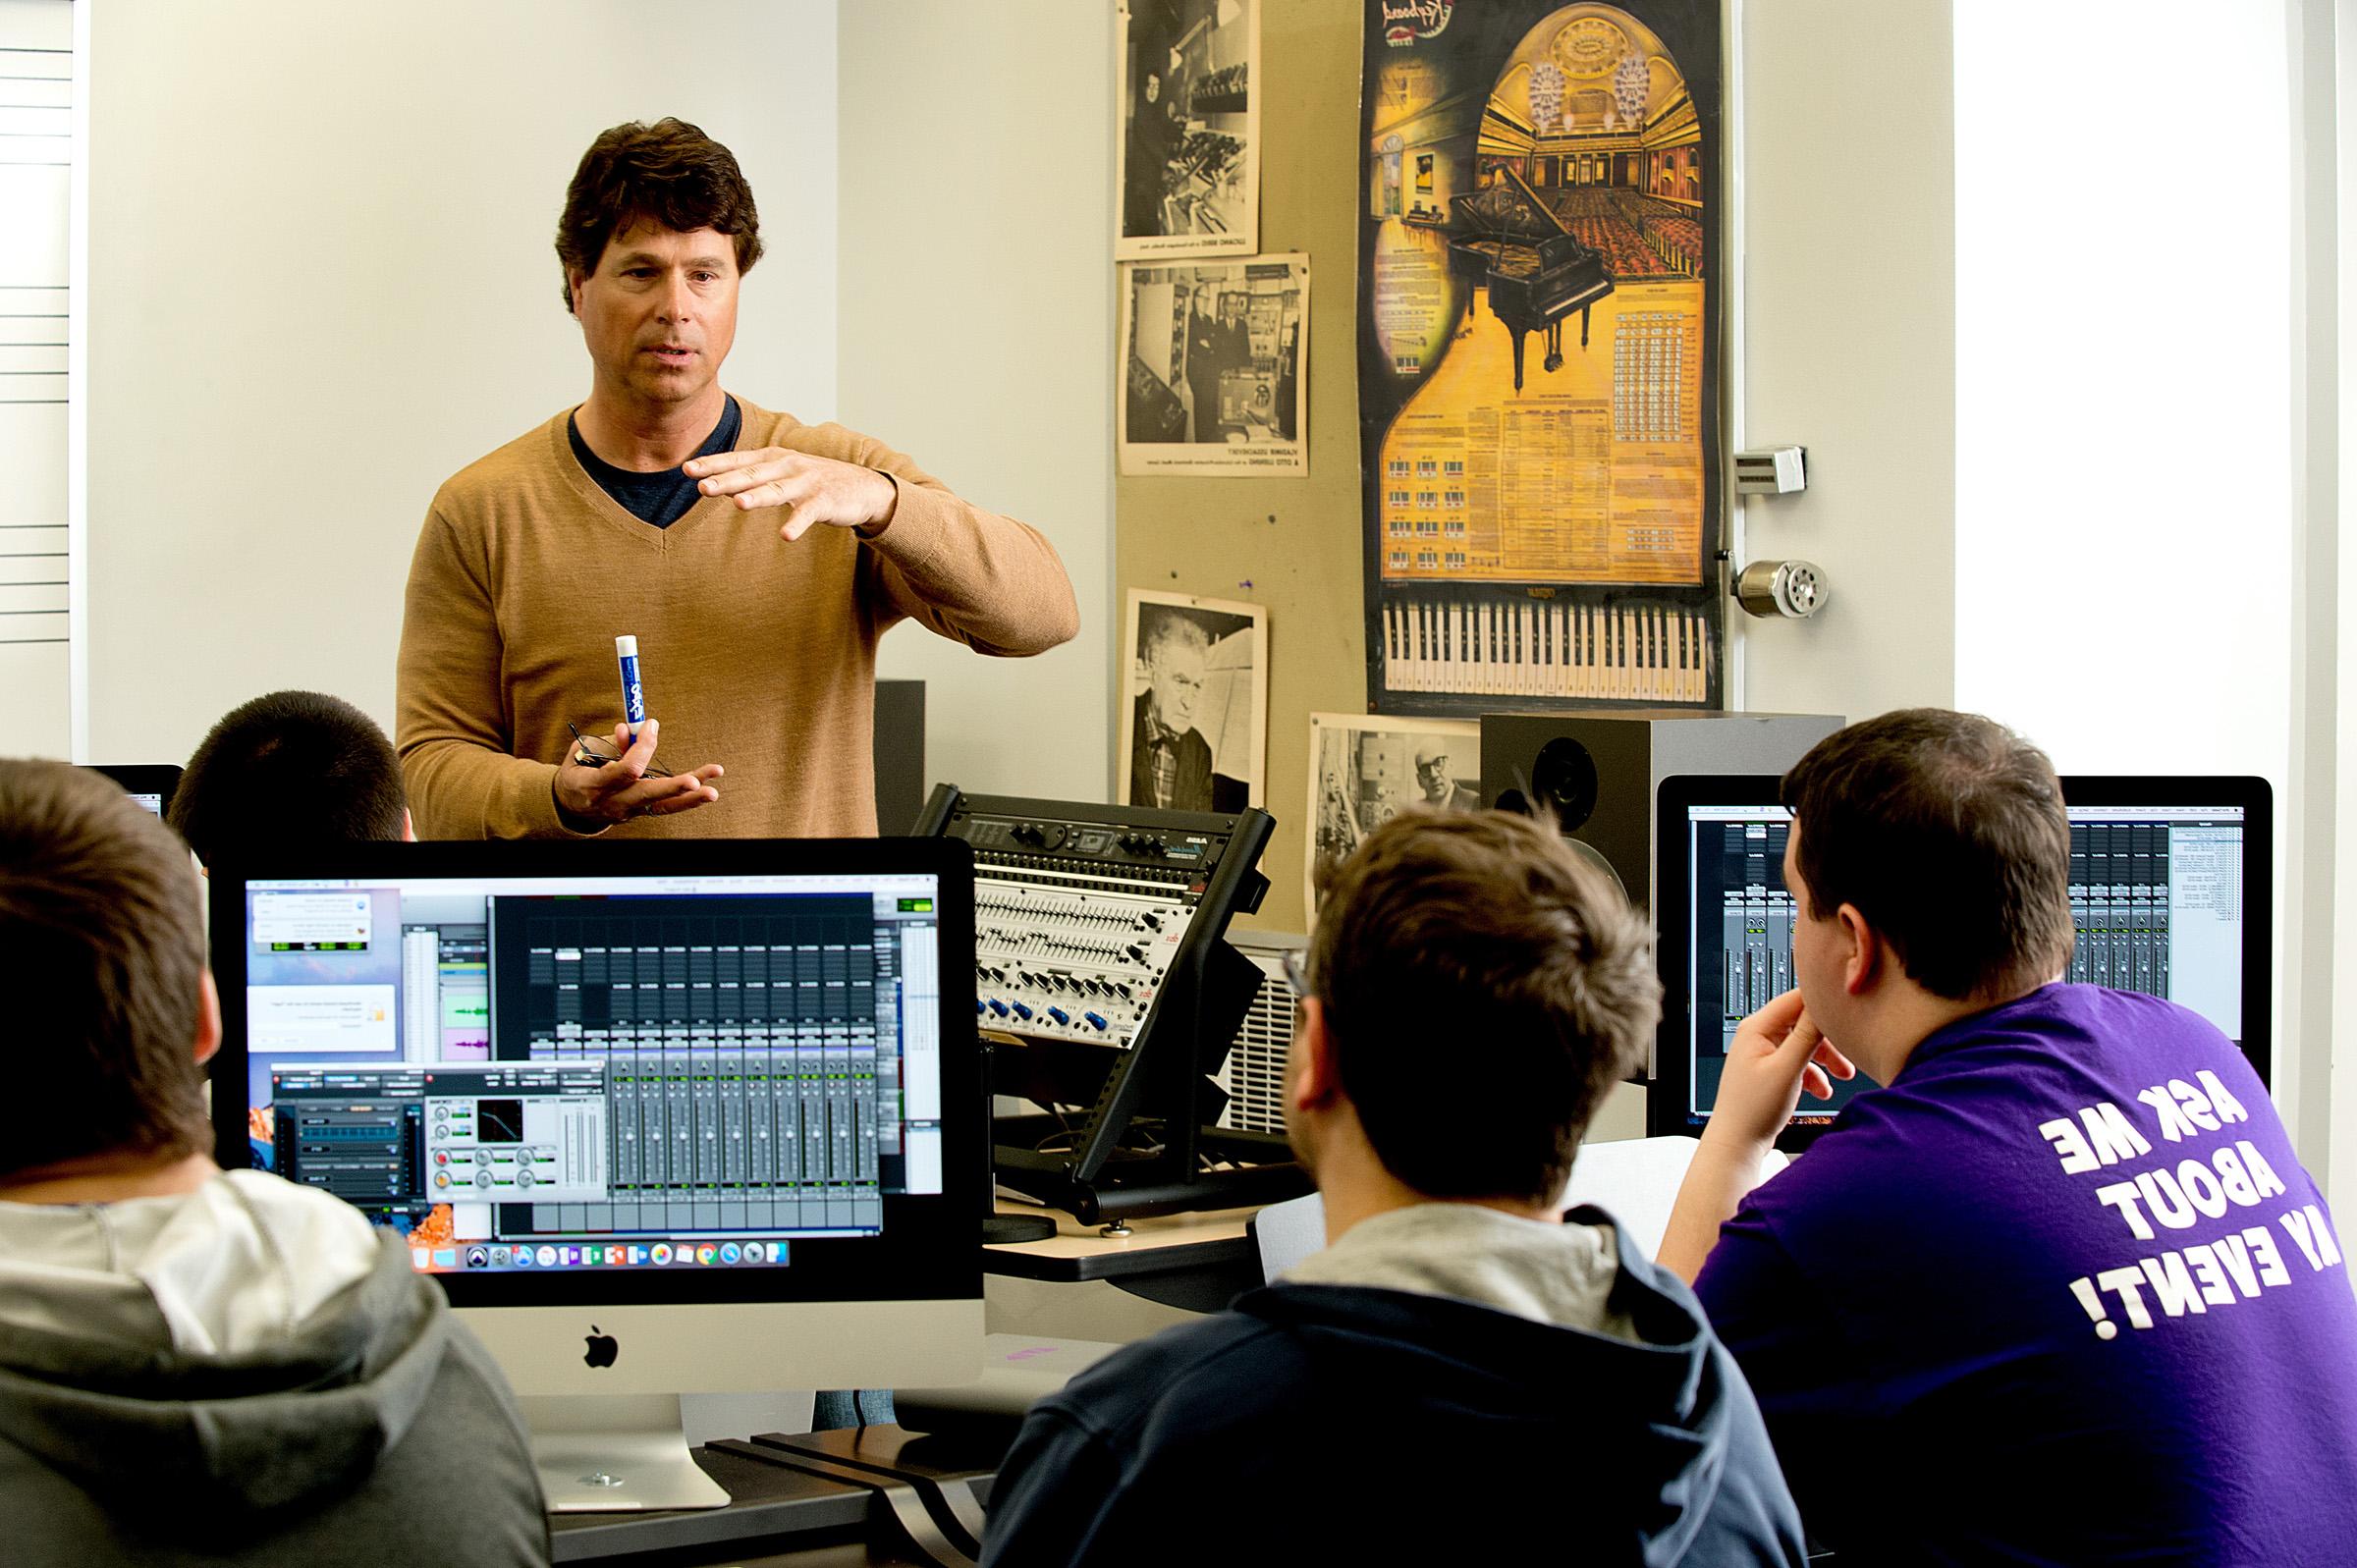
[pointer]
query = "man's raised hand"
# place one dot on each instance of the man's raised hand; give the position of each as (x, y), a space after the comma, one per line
(814, 490)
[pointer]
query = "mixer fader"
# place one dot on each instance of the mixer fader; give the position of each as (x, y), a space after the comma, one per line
(1075, 966)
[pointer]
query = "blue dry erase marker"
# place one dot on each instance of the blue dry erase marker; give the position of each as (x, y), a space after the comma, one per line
(634, 694)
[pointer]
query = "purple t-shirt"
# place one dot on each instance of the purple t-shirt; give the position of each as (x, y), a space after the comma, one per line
(2058, 1293)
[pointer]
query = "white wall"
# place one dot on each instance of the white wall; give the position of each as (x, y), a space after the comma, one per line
(321, 280)
(2124, 534)
(1849, 346)
(977, 336)
(2124, 545)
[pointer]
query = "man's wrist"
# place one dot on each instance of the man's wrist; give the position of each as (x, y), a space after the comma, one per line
(882, 519)
(567, 818)
(1724, 1140)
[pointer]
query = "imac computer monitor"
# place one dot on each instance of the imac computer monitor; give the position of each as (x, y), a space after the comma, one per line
(150, 784)
(2171, 893)
(661, 1118)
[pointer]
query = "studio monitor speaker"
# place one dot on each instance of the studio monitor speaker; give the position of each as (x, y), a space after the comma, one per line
(1596, 774)
(899, 751)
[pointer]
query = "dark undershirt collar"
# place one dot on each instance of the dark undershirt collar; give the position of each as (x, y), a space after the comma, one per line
(661, 497)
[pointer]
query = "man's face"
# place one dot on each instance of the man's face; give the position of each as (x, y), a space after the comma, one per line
(659, 315)
(1232, 310)
(1153, 86)
(1177, 672)
(1815, 966)
(1433, 774)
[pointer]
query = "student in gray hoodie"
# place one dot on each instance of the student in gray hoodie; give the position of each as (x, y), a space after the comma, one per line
(198, 1365)
(1463, 1371)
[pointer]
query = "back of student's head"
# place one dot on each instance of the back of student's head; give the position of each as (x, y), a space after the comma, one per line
(1947, 832)
(1484, 989)
(98, 916)
(294, 767)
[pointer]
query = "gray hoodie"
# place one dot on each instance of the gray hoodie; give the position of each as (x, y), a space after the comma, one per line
(1551, 1273)
(247, 1374)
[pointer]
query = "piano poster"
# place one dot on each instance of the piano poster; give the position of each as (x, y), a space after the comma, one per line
(1539, 355)
(1188, 146)
(1215, 356)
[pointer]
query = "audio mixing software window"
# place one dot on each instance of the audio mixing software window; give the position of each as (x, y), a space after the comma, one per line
(530, 1074)
(2155, 895)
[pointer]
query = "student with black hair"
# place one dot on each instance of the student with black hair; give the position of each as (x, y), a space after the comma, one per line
(291, 768)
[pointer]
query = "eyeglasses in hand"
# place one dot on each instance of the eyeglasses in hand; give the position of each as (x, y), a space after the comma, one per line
(592, 752)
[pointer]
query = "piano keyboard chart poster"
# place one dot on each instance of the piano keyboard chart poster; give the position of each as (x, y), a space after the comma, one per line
(1188, 148)
(1215, 359)
(1538, 339)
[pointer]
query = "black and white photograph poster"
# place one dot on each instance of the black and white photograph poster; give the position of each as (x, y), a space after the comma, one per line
(1216, 374)
(1364, 769)
(1195, 705)
(1189, 151)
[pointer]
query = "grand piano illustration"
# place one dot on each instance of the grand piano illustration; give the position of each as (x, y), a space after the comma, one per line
(1506, 239)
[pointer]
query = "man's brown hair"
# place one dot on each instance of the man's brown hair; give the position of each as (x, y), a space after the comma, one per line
(669, 173)
(98, 916)
(1947, 832)
(1484, 989)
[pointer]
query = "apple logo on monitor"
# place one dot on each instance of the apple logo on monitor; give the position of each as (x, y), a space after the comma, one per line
(602, 1350)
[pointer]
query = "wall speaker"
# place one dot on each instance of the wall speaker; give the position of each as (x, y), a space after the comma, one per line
(1596, 774)
(900, 750)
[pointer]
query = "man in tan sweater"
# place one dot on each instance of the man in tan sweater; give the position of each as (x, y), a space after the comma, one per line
(757, 560)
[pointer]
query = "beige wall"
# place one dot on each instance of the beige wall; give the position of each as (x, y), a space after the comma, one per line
(976, 305)
(1292, 544)
(321, 281)
(1848, 345)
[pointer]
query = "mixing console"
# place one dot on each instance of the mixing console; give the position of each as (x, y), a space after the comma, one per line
(1077, 924)
(1106, 926)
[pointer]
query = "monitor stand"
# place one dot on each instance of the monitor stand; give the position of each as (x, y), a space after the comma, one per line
(600, 1453)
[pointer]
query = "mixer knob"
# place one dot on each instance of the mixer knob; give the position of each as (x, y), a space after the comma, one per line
(1059, 1016)
(1094, 1019)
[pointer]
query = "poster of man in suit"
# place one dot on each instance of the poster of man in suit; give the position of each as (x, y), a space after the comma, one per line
(1213, 380)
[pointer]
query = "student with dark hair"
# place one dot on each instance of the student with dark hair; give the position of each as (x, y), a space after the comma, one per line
(2059, 1291)
(200, 1365)
(294, 767)
(626, 515)
(1460, 1373)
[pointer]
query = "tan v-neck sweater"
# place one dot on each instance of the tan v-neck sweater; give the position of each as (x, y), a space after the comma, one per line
(756, 654)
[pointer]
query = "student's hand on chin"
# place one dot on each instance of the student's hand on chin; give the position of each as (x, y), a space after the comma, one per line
(1776, 1053)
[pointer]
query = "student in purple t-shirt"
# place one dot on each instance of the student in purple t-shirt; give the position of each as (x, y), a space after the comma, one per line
(2059, 1291)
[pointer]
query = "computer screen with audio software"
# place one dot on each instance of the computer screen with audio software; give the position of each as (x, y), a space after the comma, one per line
(2171, 884)
(660, 1117)
(590, 1071)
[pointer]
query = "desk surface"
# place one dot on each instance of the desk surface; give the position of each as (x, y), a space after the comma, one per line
(778, 1514)
(1213, 1241)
